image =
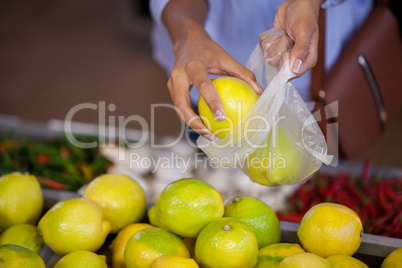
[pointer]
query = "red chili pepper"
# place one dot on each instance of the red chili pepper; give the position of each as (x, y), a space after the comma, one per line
(354, 190)
(382, 198)
(397, 219)
(43, 159)
(64, 152)
(336, 186)
(51, 183)
(3, 147)
(291, 217)
(370, 210)
(391, 193)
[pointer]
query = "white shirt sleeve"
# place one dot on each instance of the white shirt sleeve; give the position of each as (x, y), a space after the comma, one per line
(156, 7)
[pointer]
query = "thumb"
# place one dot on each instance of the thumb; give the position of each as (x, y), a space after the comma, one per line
(304, 54)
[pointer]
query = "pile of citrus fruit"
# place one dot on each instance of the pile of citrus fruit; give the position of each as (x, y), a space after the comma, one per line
(189, 226)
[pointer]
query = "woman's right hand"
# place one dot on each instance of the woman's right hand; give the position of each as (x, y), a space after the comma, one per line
(197, 55)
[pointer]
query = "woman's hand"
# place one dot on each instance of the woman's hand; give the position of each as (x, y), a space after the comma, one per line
(196, 57)
(298, 18)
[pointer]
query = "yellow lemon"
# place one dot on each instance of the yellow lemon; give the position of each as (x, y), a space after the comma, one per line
(258, 216)
(147, 245)
(304, 260)
(330, 229)
(393, 260)
(174, 262)
(237, 98)
(270, 256)
(13, 256)
(345, 261)
(226, 242)
(24, 235)
(21, 199)
(186, 206)
(74, 224)
(278, 163)
(81, 259)
(122, 199)
(119, 243)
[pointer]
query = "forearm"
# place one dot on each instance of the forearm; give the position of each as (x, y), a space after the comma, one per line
(184, 17)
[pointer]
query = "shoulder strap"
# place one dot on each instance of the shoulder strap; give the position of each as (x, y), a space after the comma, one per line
(318, 73)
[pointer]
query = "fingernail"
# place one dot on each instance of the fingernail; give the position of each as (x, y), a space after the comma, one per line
(258, 87)
(297, 66)
(210, 137)
(220, 115)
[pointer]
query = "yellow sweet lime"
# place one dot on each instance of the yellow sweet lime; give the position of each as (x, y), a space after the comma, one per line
(174, 262)
(19, 257)
(304, 260)
(393, 260)
(226, 242)
(119, 243)
(278, 163)
(345, 261)
(73, 225)
(24, 235)
(122, 199)
(186, 206)
(82, 259)
(147, 245)
(270, 256)
(258, 216)
(330, 229)
(21, 199)
(237, 98)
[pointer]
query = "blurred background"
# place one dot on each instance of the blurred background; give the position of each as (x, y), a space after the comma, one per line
(55, 55)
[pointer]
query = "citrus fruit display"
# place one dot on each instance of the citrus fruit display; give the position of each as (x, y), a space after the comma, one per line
(393, 260)
(226, 242)
(174, 262)
(277, 163)
(24, 235)
(74, 224)
(21, 199)
(119, 243)
(345, 261)
(186, 206)
(121, 197)
(147, 245)
(13, 256)
(330, 229)
(270, 256)
(304, 260)
(237, 98)
(81, 259)
(258, 216)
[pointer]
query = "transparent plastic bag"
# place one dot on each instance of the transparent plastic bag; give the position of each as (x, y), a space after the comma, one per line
(278, 142)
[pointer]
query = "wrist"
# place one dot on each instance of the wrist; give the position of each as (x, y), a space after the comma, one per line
(189, 31)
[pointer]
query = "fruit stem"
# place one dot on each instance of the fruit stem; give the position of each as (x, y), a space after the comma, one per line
(236, 199)
(226, 227)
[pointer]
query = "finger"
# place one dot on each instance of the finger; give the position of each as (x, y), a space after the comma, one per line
(235, 69)
(304, 54)
(183, 108)
(197, 74)
(179, 90)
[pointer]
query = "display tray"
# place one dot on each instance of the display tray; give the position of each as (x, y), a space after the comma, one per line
(372, 250)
